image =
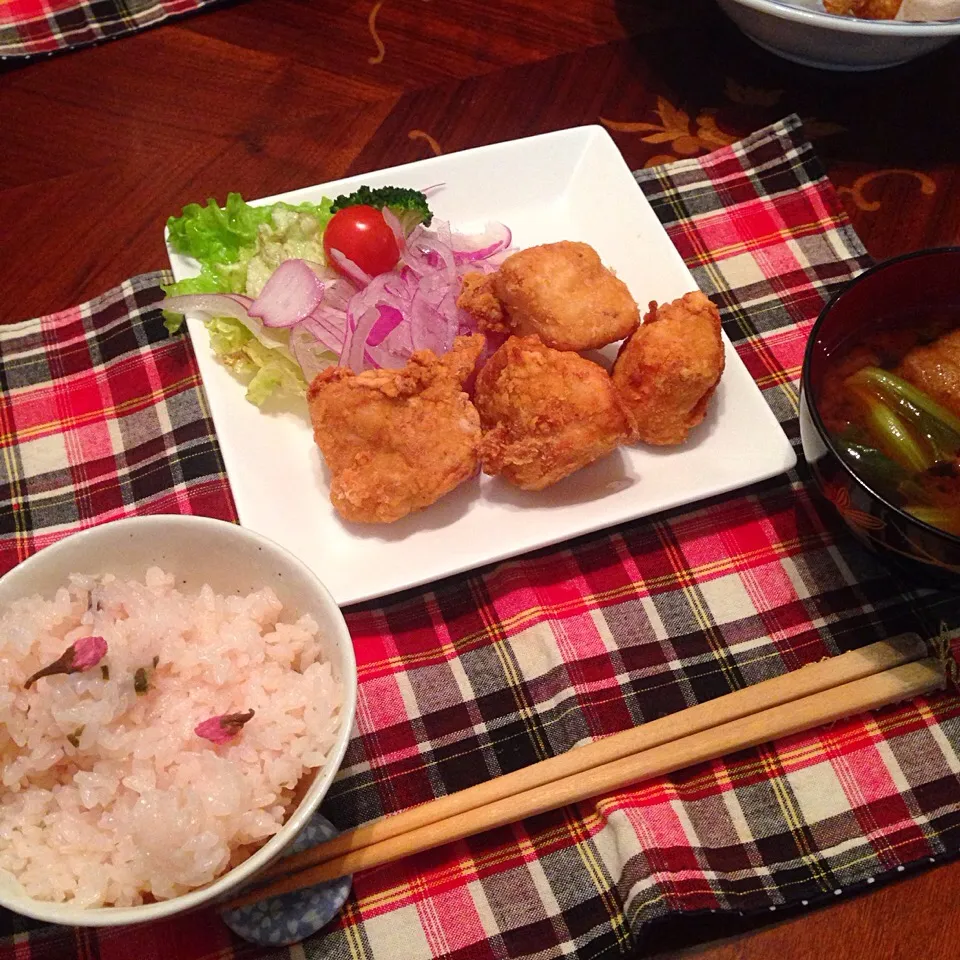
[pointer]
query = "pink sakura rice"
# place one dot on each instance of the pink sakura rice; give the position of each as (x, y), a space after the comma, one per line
(107, 794)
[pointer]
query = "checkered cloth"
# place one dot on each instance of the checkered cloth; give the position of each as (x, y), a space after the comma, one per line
(487, 672)
(30, 27)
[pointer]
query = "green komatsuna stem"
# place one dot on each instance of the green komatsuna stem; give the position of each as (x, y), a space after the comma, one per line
(940, 425)
(890, 432)
(871, 464)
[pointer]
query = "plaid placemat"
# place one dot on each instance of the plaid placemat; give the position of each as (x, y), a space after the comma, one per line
(31, 27)
(487, 672)
(101, 416)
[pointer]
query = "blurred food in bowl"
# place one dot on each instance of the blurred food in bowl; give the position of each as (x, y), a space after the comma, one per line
(880, 410)
(856, 35)
(920, 11)
(866, 9)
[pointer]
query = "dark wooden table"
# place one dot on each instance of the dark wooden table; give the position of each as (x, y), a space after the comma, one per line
(99, 146)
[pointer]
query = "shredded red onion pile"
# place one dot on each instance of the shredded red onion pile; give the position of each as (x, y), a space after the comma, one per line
(366, 321)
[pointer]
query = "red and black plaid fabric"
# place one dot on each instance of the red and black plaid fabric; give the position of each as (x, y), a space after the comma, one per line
(487, 672)
(101, 416)
(30, 27)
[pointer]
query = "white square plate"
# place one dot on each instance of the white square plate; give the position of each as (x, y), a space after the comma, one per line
(568, 185)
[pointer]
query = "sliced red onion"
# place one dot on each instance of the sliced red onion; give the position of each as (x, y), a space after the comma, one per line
(308, 311)
(290, 294)
(309, 349)
(443, 233)
(327, 326)
(431, 327)
(355, 343)
(395, 349)
(381, 289)
(497, 237)
(388, 317)
(352, 271)
(323, 271)
(228, 305)
(413, 259)
(379, 321)
(213, 304)
(440, 255)
(337, 295)
(394, 224)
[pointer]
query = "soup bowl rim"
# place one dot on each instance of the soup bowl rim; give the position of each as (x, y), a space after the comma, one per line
(807, 392)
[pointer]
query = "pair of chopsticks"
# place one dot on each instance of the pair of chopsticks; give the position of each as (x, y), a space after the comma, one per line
(867, 679)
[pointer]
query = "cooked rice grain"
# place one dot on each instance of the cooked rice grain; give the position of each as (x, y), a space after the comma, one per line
(141, 806)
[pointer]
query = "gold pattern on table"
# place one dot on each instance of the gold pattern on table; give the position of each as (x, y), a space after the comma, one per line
(688, 138)
(372, 24)
(927, 186)
(757, 97)
(423, 135)
(814, 128)
(750, 96)
(676, 128)
(658, 159)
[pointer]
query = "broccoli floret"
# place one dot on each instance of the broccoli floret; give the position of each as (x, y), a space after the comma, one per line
(409, 206)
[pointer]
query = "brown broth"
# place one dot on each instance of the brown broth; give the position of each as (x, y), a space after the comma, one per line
(885, 348)
(927, 356)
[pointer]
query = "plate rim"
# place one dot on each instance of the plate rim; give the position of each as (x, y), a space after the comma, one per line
(582, 136)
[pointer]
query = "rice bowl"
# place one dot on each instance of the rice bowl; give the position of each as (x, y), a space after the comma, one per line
(116, 807)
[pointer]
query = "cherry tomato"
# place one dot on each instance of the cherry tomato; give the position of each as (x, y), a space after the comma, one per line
(362, 235)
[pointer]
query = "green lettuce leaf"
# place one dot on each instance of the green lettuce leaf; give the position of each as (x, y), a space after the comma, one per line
(265, 369)
(224, 239)
(274, 372)
(214, 234)
(238, 246)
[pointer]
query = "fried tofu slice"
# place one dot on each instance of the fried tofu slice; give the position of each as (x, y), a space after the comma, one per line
(935, 369)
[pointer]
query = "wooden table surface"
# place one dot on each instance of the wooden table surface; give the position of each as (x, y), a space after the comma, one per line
(100, 145)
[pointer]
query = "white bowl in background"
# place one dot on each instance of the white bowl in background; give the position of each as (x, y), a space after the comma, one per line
(819, 39)
(231, 559)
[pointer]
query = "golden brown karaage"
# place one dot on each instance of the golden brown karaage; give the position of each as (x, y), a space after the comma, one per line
(545, 413)
(668, 370)
(935, 369)
(397, 440)
(864, 9)
(478, 298)
(560, 292)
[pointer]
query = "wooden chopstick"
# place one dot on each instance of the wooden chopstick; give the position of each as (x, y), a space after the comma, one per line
(850, 683)
(813, 678)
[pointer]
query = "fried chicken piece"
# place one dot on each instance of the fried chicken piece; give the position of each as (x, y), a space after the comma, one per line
(668, 370)
(397, 440)
(560, 292)
(879, 9)
(545, 413)
(935, 369)
(479, 300)
(865, 9)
